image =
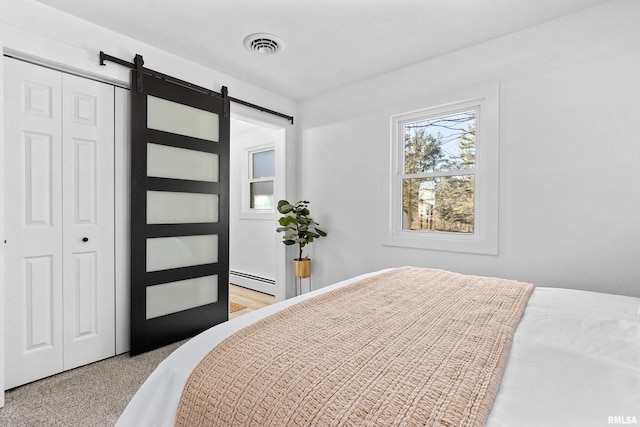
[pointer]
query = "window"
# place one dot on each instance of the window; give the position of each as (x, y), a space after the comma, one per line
(444, 183)
(439, 157)
(261, 179)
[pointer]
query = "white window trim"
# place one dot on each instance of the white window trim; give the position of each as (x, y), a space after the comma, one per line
(484, 240)
(247, 212)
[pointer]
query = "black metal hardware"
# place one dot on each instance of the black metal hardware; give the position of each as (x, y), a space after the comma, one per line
(139, 63)
(85, 239)
(257, 107)
(105, 57)
(225, 97)
(138, 66)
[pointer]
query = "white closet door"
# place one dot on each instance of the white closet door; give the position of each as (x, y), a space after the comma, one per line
(33, 204)
(59, 257)
(88, 221)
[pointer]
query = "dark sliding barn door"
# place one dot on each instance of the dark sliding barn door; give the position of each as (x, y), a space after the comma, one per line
(179, 212)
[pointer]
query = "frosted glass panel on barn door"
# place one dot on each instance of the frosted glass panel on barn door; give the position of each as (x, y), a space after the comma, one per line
(59, 257)
(179, 212)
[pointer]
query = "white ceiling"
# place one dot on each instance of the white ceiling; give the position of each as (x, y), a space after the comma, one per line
(328, 43)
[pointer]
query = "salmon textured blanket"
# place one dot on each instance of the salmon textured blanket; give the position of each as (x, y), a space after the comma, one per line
(411, 346)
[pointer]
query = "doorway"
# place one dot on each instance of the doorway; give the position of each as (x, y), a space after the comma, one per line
(256, 184)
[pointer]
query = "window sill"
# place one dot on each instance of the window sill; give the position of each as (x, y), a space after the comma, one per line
(450, 242)
(258, 216)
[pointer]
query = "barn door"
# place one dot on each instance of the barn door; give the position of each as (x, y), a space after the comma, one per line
(179, 212)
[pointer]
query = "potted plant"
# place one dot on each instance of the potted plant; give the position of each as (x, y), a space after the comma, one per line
(298, 228)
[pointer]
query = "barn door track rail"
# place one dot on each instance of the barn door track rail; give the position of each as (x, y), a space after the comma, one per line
(138, 63)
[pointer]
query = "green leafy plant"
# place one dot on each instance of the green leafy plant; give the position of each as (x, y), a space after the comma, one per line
(296, 224)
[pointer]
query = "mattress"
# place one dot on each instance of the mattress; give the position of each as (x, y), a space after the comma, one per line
(574, 361)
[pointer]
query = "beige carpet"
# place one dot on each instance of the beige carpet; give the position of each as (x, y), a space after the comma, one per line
(93, 395)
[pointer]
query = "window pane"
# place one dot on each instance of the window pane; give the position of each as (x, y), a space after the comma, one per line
(172, 297)
(179, 163)
(438, 204)
(264, 164)
(181, 119)
(261, 195)
(440, 144)
(166, 207)
(164, 253)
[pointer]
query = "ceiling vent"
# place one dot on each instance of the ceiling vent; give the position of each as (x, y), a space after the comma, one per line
(263, 43)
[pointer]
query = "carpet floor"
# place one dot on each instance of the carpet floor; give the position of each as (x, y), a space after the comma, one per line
(92, 395)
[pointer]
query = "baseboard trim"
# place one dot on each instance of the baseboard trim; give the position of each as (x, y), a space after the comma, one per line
(257, 283)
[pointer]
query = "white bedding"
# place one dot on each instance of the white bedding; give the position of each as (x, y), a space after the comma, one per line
(575, 361)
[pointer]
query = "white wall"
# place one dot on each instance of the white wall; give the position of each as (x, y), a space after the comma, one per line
(569, 156)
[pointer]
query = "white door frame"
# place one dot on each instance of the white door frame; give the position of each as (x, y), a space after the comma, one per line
(2, 219)
(239, 112)
(122, 173)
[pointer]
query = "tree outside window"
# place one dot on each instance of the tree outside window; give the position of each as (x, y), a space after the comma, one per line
(438, 179)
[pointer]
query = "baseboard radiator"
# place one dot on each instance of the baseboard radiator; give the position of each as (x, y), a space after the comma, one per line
(258, 283)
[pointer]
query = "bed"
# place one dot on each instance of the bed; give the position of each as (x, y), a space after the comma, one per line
(573, 360)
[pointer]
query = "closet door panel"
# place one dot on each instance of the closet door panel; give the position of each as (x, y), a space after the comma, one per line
(88, 212)
(85, 291)
(38, 164)
(59, 257)
(84, 181)
(33, 222)
(39, 303)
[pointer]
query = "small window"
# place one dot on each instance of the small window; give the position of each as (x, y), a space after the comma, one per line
(444, 174)
(439, 157)
(261, 179)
